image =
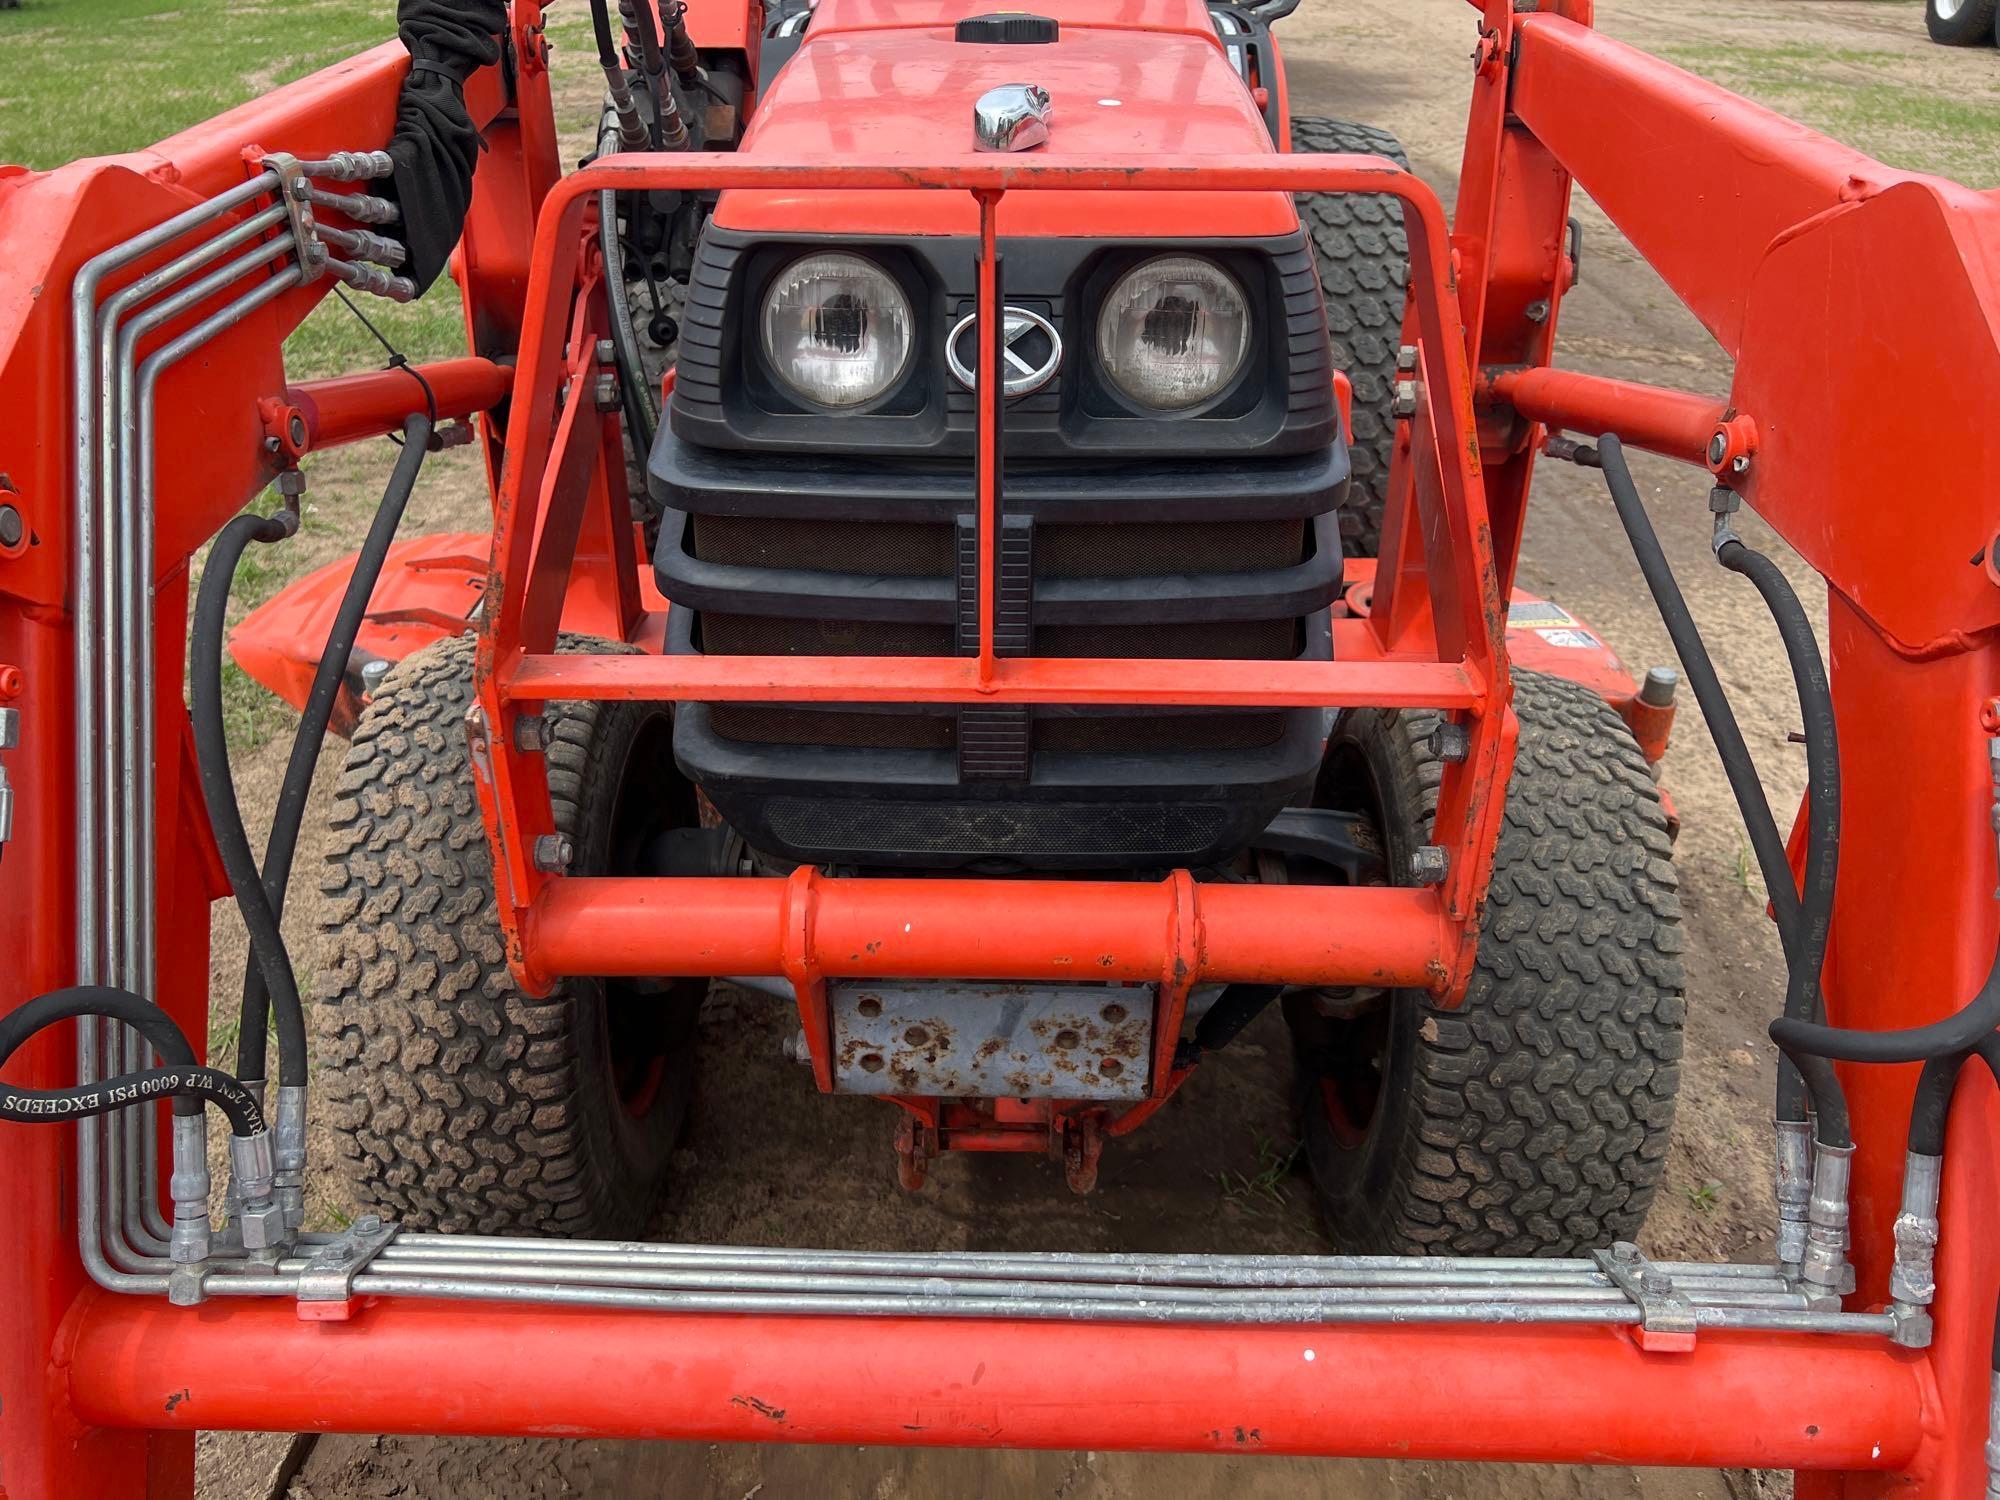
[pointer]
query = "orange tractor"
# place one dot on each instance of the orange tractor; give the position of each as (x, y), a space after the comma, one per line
(1003, 539)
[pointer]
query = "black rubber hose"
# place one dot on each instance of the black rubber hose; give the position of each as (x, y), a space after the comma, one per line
(1932, 1104)
(225, 817)
(1737, 765)
(1963, 1029)
(624, 342)
(1235, 1008)
(282, 844)
(652, 64)
(1802, 996)
(600, 24)
(187, 1083)
(1762, 828)
(159, 1029)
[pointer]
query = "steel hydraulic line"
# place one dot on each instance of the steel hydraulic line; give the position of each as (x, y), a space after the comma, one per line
(93, 823)
(127, 586)
(95, 1203)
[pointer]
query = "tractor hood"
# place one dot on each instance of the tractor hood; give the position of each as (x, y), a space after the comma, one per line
(877, 80)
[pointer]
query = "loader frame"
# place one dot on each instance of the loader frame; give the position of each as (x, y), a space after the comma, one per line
(1862, 306)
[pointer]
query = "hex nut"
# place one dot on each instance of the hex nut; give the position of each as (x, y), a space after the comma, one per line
(1428, 865)
(263, 1228)
(1404, 403)
(553, 853)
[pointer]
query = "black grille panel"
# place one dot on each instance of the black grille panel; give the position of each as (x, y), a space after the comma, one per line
(996, 828)
(778, 635)
(1151, 547)
(1139, 733)
(781, 724)
(902, 549)
(1225, 640)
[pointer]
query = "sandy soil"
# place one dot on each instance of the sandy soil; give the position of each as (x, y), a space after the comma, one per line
(1392, 62)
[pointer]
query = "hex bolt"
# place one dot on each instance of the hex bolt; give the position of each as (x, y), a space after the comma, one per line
(553, 853)
(534, 733)
(1428, 864)
(12, 528)
(368, 1224)
(1450, 741)
(1406, 359)
(606, 351)
(1404, 403)
(607, 393)
(1657, 691)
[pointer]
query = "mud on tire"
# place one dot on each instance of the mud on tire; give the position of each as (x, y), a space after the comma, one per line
(1534, 1120)
(458, 1102)
(1364, 271)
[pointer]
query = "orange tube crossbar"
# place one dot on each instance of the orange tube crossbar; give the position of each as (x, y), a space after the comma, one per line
(945, 679)
(947, 929)
(1555, 1394)
(1678, 424)
(348, 408)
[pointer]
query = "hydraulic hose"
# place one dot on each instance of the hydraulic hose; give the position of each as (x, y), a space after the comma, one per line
(282, 845)
(624, 342)
(185, 1081)
(632, 132)
(1956, 1033)
(267, 941)
(639, 22)
(1796, 1076)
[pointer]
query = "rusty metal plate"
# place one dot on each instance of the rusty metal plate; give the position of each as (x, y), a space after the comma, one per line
(965, 1039)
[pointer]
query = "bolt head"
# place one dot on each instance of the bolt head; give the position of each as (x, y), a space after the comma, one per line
(534, 732)
(1404, 403)
(1450, 741)
(607, 393)
(1406, 359)
(606, 351)
(263, 1228)
(1428, 865)
(554, 853)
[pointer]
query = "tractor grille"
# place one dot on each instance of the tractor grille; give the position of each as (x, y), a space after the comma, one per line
(1218, 562)
(924, 549)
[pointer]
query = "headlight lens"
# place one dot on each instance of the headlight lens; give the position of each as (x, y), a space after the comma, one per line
(837, 329)
(1173, 332)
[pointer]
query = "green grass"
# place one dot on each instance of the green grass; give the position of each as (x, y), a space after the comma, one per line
(97, 77)
(1937, 111)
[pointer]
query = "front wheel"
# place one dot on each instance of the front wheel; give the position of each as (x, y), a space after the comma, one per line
(1533, 1119)
(457, 1102)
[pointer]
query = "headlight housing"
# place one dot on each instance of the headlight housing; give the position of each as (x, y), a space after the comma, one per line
(1173, 332)
(837, 329)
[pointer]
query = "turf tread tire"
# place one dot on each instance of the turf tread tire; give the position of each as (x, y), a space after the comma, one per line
(456, 1101)
(1363, 258)
(1975, 24)
(1535, 1119)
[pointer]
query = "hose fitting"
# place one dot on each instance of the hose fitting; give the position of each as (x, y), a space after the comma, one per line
(1826, 1268)
(1912, 1279)
(289, 1154)
(260, 1218)
(232, 1192)
(188, 1183)
(1794, 1191)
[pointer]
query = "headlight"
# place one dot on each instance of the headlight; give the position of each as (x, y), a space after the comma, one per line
(1173, 332)
(836, 329)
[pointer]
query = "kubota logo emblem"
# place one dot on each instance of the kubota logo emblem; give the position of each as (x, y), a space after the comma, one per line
(1032, 353)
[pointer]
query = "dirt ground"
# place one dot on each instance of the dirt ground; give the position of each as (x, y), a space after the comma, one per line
(1392, 62)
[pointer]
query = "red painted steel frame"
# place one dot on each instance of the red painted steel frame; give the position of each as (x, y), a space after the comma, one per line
(1760, 225)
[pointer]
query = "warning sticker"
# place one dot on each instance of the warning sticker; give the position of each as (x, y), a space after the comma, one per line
(1537, 612)
(1581, 640)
